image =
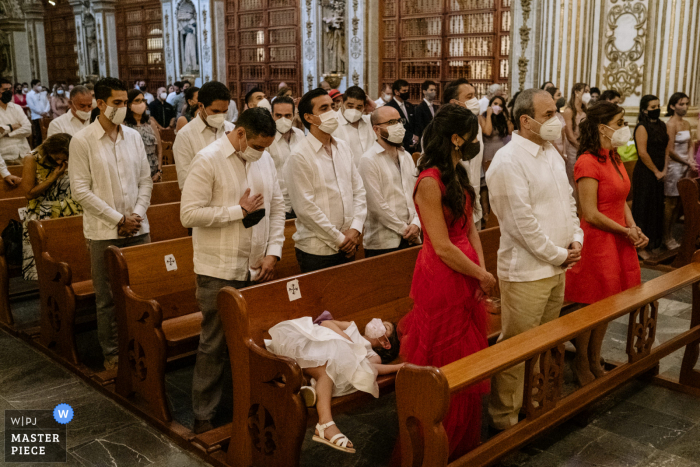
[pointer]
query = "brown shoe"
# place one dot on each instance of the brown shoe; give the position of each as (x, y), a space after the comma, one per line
(200, 426)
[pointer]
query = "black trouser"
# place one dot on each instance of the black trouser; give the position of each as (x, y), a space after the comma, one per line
(309, 262)
(37, 139)
(403, 245)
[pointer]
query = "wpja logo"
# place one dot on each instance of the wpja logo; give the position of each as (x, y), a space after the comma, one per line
(37, 435)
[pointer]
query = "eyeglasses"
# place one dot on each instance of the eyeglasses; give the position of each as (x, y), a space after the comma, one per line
(394, 122)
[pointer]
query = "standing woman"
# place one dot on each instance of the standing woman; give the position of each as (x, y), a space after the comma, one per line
(609, 262)
(449, 319)
(680, 147)
(651, 139)
(20, 97)
(191, 107)
(45, 179)
(574, 112)
(59, 102)
(137, 119)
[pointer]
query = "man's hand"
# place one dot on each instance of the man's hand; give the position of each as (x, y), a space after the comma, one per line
(412, 234)
(250, 203)
(352, 240)
(415, 139)
(156, 177)
(267, 269)
(2, 131)
(574, 255)
(13, 180)
(130, 225)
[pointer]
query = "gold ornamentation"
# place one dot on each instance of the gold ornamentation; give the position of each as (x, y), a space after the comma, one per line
(524, 40)
(355, 78)
(310, 80)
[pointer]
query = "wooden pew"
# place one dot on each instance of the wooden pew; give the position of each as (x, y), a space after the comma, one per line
(165, 192)
(63, 265)
(167, 134)
(690, 198)
(9, 209)
(359, 291)
(15, 170)
(169, 173)
(7, 191)
(423, 393)
(168, 156)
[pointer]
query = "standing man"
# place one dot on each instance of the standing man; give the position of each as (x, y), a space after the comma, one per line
(111, 178)
(38, 103)
(177, 98)
(208, 126)
(14, 130)
(78, 117)
(353, 127)
(233, 203)
(325, 188)
(163, 112)
(389, 175)
(141, 86)
(425, 111)
(286, 138)
(254, 96)
(540, 236)
(385, 97)
(407, 112)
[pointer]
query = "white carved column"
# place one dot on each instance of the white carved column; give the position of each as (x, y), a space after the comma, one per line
(354, 32)
(372, 21)
(106, 25)
(310, 38)
(170, 43)
(80, 39)
(206, 36)
(219, 40)
(523, 50)
(34, 25)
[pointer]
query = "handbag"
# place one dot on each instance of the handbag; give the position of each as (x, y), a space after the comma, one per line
(12, 238)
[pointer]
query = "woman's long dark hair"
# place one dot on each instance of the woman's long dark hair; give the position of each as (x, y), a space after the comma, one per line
(600, 113)
(677, 96)
(129, 119)
(572, 102)
(643, 104)
(189, 95)
(451, 119)
(500, 121)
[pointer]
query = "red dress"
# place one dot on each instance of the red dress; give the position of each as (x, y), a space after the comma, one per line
(609, 261)
(448, 323)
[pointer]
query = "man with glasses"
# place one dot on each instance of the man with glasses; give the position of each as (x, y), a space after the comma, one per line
(389, 175)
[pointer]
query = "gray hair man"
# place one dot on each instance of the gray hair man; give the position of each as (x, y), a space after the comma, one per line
(540, 235)
(79, 115)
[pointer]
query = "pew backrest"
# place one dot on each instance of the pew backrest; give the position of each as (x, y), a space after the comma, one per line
(9, 209)
(169, 173)
(164, 222)
(7, 191)
(165, 192)
(16, 170)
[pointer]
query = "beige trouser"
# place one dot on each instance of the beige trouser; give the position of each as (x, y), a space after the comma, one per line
(524, 305)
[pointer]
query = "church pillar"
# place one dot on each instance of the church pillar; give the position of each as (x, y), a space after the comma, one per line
(34, 25)
(372, 21)
(106, 37)
(310, 38)
(172, 57)
(80, 39)
(14, 45)
(354, 32)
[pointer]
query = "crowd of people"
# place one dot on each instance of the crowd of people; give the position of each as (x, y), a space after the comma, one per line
(550, 169)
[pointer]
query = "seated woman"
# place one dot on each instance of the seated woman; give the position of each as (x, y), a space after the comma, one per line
(45, 177)
(340, 360)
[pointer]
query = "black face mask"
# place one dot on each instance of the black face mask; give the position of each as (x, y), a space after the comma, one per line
(6, 96)
(561, 102)
(654, 114)
(404, 96)
(470, 150)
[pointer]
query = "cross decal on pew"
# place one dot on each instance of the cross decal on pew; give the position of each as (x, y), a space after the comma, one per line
(293, 290)
(170, 261)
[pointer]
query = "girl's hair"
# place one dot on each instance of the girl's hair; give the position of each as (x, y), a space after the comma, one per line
(572, 102)
(600, 113)
(500, 121)
(389, 355)
(55, 144)
(451, 119)
(511, 104)
(129, 119)
(544, 85)
(677, 96)
(643, 104)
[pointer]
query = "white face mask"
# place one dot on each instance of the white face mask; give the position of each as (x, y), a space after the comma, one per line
(283, 125)
(549, 130)
(352, 115)
(60, 92)
(473, 105)
(216, 120)
(81, 114)
(496, 109)
(115, 115)
(163, 95)
(396, 133)
(265, 104)
(586, 97)
(620, 137)
(250, 154)
(329, 122)
(25, 90)
(386, 97)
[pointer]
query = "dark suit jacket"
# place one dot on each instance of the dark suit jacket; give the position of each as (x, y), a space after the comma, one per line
(423, 117)
(411, 118)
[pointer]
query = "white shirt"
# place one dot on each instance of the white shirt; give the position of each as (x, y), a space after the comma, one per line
(13, 144)
(223, 247)
(191, 139)
(109, 179)
(148, 96)
(531, 196)
(402, 106)
(359, 139)
(389, 190)
(474, 167)
(171, 98)
(483, 105)
(232, 114)
(38, 103)
(280, 151)
(380, 102)
(66, 123)
(327, 195)
(430, 107)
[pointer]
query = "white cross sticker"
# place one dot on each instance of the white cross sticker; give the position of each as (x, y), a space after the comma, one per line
(22, 213)
(293, 290)
(170, 263)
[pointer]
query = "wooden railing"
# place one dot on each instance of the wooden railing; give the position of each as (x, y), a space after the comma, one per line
(423, 393)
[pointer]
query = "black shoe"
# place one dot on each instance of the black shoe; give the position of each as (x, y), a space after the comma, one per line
(200, 426)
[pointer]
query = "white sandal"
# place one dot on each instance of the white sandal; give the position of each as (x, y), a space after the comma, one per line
(342, 440)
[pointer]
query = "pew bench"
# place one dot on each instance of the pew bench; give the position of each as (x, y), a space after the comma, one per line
(690, 199)
(63, 266)
(169, 173)
(165, 192)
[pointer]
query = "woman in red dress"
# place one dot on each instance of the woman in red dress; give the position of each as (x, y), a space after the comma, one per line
(609, 262)
(449, 320)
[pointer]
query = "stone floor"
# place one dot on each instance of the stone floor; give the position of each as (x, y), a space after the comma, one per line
(638, 425)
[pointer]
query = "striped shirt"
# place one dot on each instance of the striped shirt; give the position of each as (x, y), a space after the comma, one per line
(280, 151)
(326, 193)
(223, 247)
(389, 186)
(359, 139)
(191, 139)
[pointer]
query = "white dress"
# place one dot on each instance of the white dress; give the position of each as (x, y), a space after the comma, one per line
(311, 345)
(676, 170)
